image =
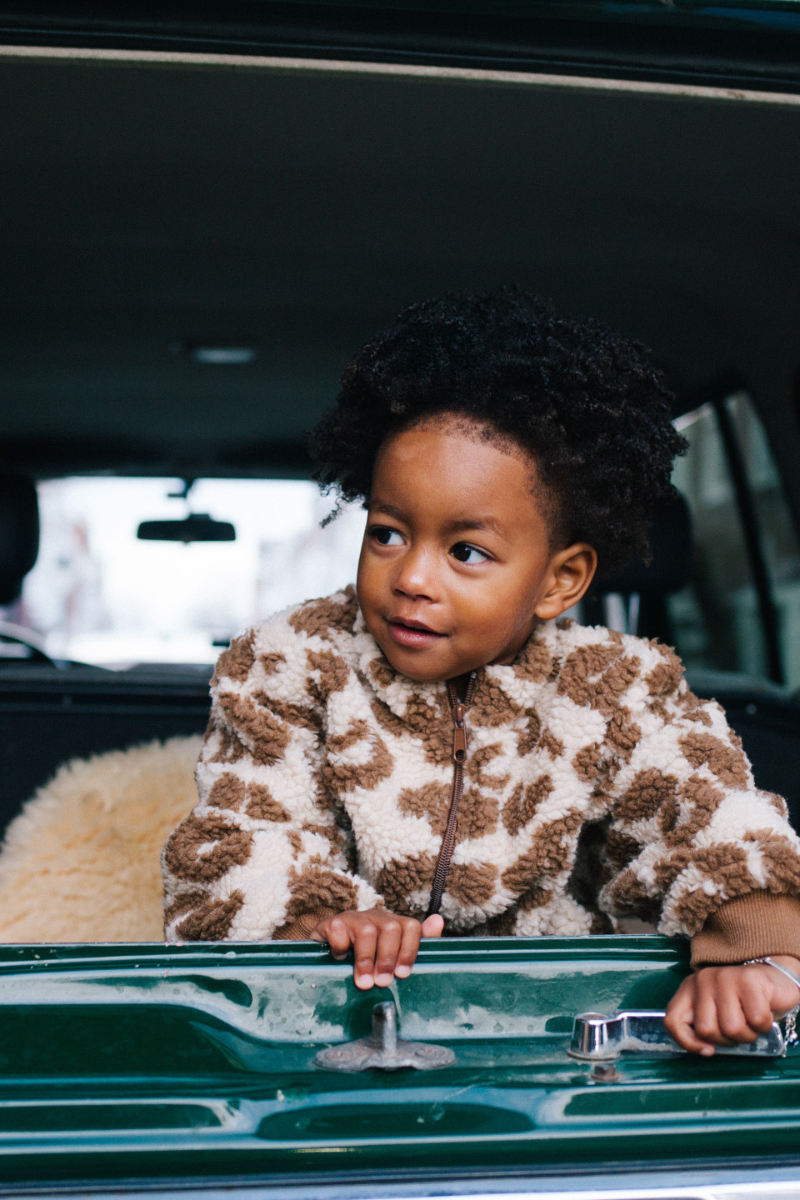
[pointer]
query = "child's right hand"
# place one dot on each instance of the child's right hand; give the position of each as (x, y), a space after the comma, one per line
(384, 944)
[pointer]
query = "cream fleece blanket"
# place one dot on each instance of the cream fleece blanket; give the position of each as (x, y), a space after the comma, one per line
(81, 862)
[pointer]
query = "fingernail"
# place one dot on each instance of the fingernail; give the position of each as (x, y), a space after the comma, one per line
(707, 1051)
(402, 972)
(383, 980)
(364, 981)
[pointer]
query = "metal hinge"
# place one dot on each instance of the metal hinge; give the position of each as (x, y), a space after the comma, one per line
(383, 1050)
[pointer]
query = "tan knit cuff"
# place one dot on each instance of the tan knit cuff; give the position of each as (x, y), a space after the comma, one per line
(303, 927)
(750, 927)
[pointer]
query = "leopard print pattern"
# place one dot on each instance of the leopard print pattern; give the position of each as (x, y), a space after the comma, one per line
(596, 785)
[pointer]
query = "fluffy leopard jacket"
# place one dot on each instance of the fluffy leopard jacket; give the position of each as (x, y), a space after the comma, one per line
(595, 784)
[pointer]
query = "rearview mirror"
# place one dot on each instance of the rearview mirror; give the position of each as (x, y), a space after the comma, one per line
(197, 527)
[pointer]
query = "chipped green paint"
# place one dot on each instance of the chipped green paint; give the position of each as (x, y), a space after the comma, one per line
(141, 1061)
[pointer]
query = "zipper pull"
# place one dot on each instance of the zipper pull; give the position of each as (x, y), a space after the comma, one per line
(460, 731)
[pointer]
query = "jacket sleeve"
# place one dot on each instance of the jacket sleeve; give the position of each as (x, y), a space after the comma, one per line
(264, 854)
(691, 842)
(753, 926)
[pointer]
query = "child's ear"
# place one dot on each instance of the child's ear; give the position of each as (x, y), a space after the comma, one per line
(569, 574)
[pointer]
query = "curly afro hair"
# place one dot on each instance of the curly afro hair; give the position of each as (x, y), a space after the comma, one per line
(584, 402)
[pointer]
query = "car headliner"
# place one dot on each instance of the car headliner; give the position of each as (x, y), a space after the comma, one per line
(154, 200)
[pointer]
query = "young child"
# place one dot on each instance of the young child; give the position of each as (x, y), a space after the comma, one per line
(433, 751)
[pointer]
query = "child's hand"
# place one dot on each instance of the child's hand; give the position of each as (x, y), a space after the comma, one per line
(384, 944)
(726, 1005)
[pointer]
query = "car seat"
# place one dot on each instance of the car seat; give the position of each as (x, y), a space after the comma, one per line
(766, 716)
(82, 861)
(633, 600)
(19, 533)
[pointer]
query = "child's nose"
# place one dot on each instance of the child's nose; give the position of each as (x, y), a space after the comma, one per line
(416, 575)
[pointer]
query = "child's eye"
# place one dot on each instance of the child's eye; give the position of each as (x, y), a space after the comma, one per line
(385, 536)
(469, 554)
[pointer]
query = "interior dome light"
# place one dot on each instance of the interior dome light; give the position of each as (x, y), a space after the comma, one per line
(223, 356)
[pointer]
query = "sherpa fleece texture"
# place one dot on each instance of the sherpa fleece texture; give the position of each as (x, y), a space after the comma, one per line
(596, 784)
(81, 861)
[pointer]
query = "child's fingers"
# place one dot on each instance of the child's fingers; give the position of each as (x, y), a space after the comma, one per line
(722, 1006)
(336, 933)
(756, 1008)
(685, 1036)
(384, 944)
(732, 1020)
(679, 1021)
(389, 938)
(365, 944)
(407, 955)
(682, 1030)
(709, 1007)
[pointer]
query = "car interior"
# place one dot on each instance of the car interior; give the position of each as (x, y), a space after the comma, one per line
(194, 248)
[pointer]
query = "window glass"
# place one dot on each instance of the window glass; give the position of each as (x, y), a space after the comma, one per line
(100, 595)
(716, 621)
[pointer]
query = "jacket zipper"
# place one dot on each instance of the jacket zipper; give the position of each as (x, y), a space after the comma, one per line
(459, 710)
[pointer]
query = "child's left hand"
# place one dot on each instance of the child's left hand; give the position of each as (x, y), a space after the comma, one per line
(726, 1005)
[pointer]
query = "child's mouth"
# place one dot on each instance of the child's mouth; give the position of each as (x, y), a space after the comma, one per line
(412, 636)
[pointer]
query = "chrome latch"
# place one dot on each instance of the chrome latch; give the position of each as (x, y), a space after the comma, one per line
(383, 1050)
(596, 1037)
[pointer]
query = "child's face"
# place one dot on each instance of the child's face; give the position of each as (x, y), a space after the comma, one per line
(456, 565)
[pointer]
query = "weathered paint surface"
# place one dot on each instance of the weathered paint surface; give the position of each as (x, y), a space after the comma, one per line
(141, 1061)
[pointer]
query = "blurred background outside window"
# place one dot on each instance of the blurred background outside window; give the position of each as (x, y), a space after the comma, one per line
(99, 595)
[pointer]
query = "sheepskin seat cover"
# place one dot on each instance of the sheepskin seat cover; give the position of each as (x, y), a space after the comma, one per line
(81, 862)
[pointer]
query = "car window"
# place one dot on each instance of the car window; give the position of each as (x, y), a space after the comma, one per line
(100, 595)
(718, 622)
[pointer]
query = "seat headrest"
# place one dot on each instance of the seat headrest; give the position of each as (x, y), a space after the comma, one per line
(670, 567)
(19, 533)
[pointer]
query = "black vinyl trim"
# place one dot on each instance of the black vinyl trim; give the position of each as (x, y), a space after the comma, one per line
(753, 47)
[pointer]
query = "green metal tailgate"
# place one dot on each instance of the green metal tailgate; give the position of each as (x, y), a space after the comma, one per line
(133, 1062)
